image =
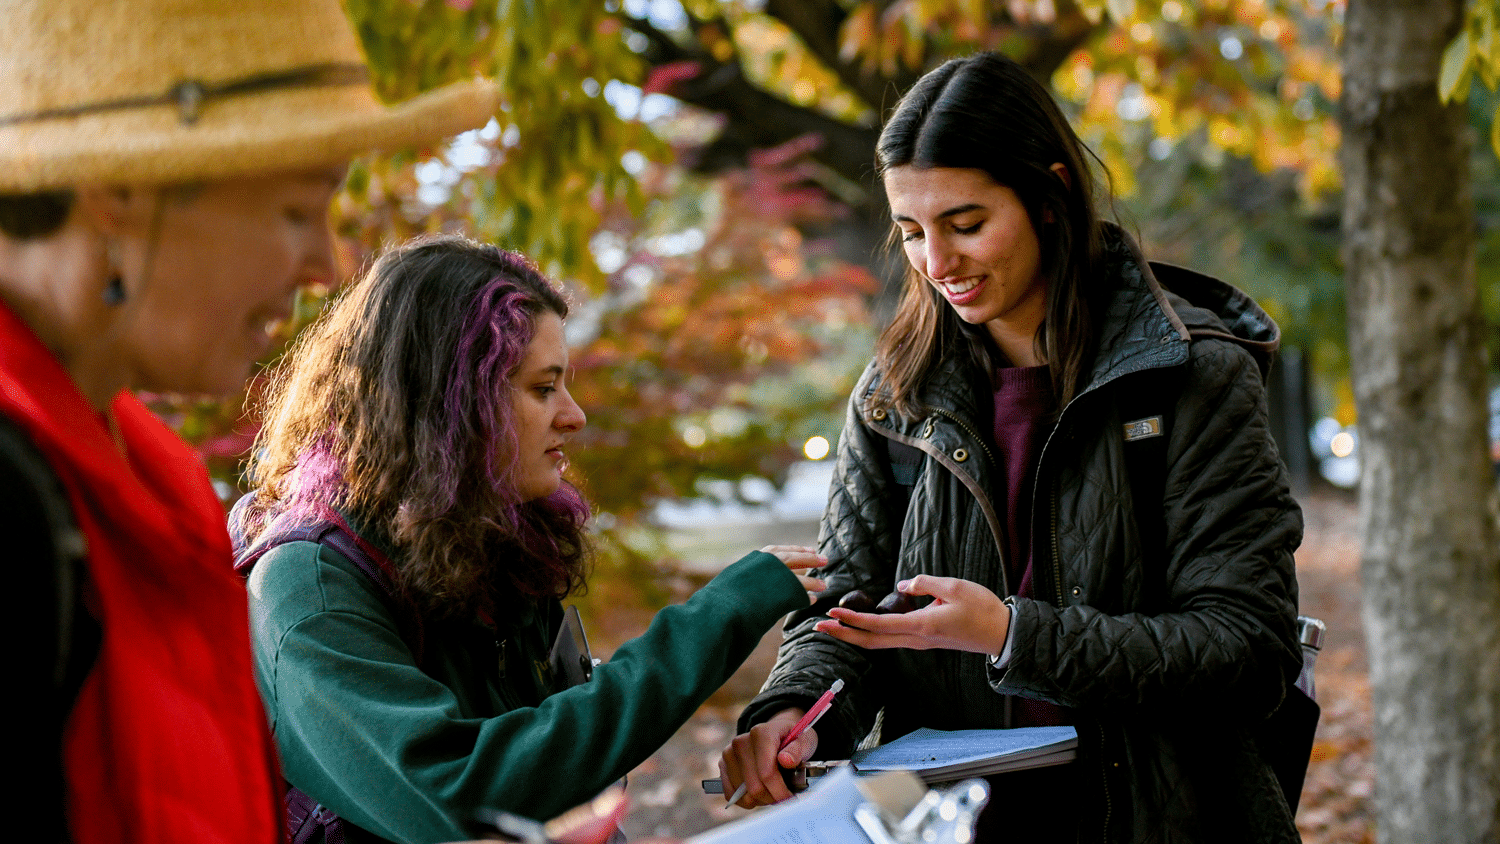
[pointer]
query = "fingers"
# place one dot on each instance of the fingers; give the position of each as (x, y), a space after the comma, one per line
(812, 586)
(750, 760)
(882, 623)
(801, 558)
(592, 823)
(855, 628)
(964, 616)
(799, 750)
(942, 588)
(797, 556)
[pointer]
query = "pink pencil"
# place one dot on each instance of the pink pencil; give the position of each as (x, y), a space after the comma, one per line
(812, 715)
(799, 728)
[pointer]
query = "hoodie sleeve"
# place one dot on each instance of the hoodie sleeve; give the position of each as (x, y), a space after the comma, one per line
(411, 752)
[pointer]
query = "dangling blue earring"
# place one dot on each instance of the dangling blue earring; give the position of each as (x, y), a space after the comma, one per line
(114, 292)
(114, 289)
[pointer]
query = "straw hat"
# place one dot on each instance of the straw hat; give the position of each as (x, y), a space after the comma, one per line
(162, 91)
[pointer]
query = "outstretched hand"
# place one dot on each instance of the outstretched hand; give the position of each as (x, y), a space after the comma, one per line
(801, 558)
(964, 616)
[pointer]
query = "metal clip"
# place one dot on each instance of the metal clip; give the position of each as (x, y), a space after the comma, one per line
(940, 817)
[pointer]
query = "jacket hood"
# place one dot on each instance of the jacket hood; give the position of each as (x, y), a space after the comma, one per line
(1156, 309)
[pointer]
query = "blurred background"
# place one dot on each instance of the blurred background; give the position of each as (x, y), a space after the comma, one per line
(698, 174)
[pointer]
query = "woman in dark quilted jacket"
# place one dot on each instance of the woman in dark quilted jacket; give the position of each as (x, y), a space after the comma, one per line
(1062, 453)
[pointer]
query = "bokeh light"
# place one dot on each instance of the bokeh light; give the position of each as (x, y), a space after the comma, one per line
(1342, 444)
(816, 448)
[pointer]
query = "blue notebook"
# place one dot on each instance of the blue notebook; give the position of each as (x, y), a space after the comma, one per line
(941, 755)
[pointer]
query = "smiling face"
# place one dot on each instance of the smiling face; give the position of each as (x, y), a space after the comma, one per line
(224, 263)
(971, 239)
(543, 412)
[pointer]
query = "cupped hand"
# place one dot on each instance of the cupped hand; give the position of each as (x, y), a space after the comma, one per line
(801, 558)
(963, 616)
(752, 758)
(592, 823)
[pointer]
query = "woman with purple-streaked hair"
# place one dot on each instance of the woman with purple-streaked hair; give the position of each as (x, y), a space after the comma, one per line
(424, 417)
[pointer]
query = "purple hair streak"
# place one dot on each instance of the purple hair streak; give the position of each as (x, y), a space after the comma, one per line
(396, 409)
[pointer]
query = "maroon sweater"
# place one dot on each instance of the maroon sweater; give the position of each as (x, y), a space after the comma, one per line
(1023, 413)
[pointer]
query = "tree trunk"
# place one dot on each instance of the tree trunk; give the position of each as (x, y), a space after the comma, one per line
(1430, 522)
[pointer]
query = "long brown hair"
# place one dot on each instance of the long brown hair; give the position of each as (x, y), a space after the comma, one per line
(395, 408)
(985, 112)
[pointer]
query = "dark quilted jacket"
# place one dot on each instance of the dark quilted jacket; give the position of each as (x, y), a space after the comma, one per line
(1171, 663)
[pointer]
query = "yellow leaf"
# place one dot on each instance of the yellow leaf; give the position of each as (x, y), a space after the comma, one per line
(912, 49)
(1484, 50)
(857, 32)
(973, 11)
(1453, 80)
(1487, 75)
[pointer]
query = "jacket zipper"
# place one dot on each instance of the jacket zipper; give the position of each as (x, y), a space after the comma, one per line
(1104, 777)
(999, 551)
(990, 456)
(968, 429)
(974, 436)
(1056, 556)
(502, 679)
(1057, 585)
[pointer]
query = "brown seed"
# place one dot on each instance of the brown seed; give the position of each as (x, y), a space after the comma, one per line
(859, 601)
(897, 602)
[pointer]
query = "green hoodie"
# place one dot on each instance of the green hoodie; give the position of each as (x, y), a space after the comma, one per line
(410, 754)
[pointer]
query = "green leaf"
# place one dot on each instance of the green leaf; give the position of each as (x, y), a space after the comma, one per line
(1453, 79)
(1495, 132)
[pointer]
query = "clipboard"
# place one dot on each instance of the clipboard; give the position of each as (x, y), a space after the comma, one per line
(570, 661)
(891, 807)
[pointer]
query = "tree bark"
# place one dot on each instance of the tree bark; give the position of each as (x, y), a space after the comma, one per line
(1430, 522)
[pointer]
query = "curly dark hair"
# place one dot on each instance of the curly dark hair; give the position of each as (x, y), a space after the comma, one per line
(394, 407)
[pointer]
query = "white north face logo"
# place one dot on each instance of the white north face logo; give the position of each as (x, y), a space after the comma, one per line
(1142, 428)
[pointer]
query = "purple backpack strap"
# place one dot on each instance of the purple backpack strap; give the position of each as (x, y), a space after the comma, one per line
(305, 818)
(336, 533)
(379, 569)
(308, 821)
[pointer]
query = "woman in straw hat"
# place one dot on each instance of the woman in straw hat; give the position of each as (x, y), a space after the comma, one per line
(166, 169)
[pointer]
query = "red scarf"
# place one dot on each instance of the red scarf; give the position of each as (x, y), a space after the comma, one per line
(168, 740)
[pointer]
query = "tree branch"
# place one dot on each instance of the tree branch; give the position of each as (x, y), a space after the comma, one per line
(661, 49)
(757, 119)
(1051, 44)
(817, 23)
(754, 118)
